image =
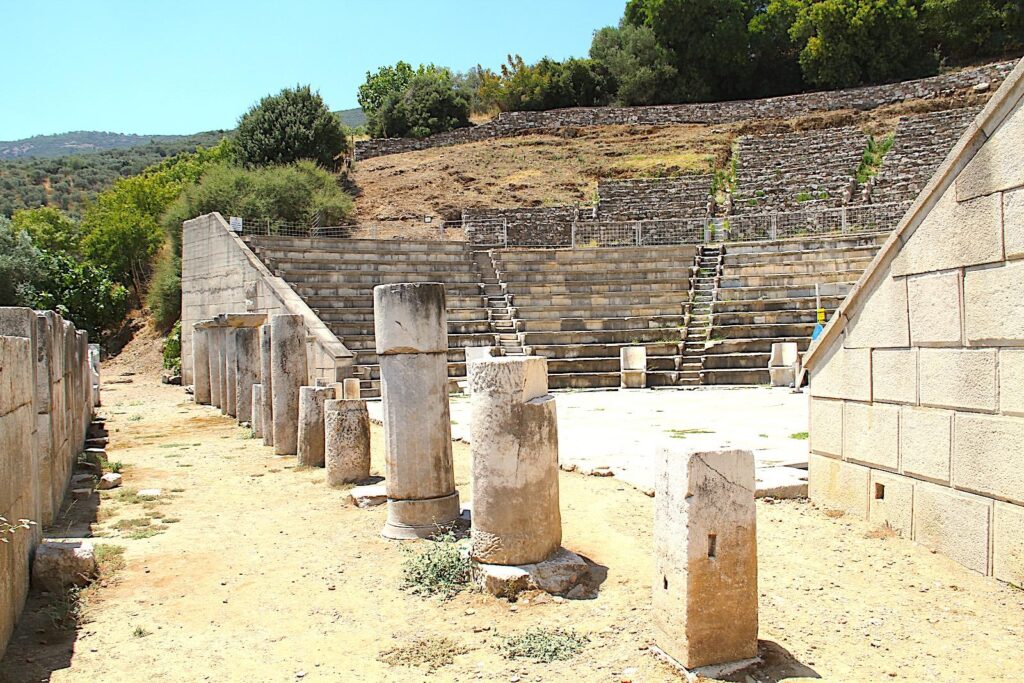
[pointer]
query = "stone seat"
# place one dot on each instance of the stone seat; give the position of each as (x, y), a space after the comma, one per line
(784, 279)
(636, 274)
(735, 376)
(783, 317)
(365, 342)
(366, 357)
(597, 287)
(730, 259)
(361, 266)
(326, 297)
(766, 330)
(637, 254)
(344, 314)
(731, 361)
(752, 345)
(524, 302)
(740, 294)
(788, 303)
(372, 370)
(609, 350)
(624, 336)
(596, 311)
(372, 279)
(595, 265)
(345, 330)
(823, 264)
(369, 246)
(582, 324)
(805, 244)
(354, 257)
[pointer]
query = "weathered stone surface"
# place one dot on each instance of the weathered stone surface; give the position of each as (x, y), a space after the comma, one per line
(892, 502)
(350, 389)
(150, 493)
(514, 450)
(558, 575)
(958, 378)
(410, 318)
(935, 309)
(843, 373)
(288, 373)
(871, 434)
(881, 321)
(705, 554)
(838, 485)
(826, 430)
(257, 410)
(894, 375)
(998, 164)
(1008, 543)
(925, 441)
(1013, 222)
(266, 385)
(311, 424)
(987, 455)
(200, 364)
(953, 523)
(368, 496)
(941, 243)
(110, 480)
(633, 367)
(247, 369)
(993, 307)
(60, 564)
(1011, 381)
(347, 448)
(215, 342)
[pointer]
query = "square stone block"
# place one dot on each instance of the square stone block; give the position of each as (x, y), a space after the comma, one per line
(925, 442)
(1008, 543)
(998, 165)
(826, 432)
(953, 523)
(1011, 381)
(993, 305)
(843, 373)
(940, 242)
(1013, 222)
(894, 375)
(838, 485)
(958, 378)
(935, 309)
(892, 502)
(871, 434)
(988, 455)
(881, 320)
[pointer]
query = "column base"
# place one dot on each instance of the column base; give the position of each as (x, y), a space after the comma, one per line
(409, 519)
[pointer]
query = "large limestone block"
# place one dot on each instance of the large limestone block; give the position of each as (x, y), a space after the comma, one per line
(925, 442)
(987, 455)
(959, 378)
(993, 307)
(783, 355)
(998, 165)
(838, 485)
(350, 388)
(256, 410)
(1013, 223)
(266, 386)
(1011, 381)
(940, 242)
(705, 557)
(1008, 544)
(410, 318)
(347, 447)
(871, 434)
(935, 309)
(892, 502)
(894, 375)
(288, 372)
(247, 370)
(953, 523)
(200, 364)
(881, 319)
(843, 373)
(826, 432)
(311, 424)
(230, 406)
(60, 564)
(514, 450)
(215, 340)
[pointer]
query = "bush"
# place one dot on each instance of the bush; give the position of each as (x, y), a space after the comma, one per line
(50, 229)
(430, 103)
(172, 350)
(641, 71)
(544, 645)
(164, 295)
(18, 261)
(292, 125)
(442, 569)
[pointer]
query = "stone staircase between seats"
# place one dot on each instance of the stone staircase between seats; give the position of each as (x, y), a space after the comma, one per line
(707, 269)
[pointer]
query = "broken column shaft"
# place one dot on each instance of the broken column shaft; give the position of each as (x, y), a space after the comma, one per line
(288, 373)
(266, 386)
(311, 424)
(347, 435)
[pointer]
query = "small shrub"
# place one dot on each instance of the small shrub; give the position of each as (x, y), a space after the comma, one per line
(66, 609)
(109, 559)
(544, 645)
(799, 436)
(683, 433)
(441, 569)
(140, 632)
(431, 653)
(134, 418)
(172, 350)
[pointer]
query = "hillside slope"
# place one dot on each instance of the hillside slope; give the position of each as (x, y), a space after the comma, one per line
(88, 141)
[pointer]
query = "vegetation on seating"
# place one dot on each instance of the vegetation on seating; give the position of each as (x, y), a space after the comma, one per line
(874, 153)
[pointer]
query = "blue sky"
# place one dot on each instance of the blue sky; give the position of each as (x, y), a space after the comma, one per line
(182, 66)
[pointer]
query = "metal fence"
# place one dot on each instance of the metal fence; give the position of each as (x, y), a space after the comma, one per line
(818, 222)
(273, 226)
(639, 233)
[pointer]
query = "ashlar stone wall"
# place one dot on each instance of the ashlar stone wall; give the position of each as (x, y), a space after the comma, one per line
(917, 385)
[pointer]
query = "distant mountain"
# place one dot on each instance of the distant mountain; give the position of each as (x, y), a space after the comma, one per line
(353, 118)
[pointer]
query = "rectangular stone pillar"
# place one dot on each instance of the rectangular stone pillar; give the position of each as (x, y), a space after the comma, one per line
(346, 441)
(94, 373)
(230, 406)
(243, 361)
(201, 362)
(633, 367)
(257, 410)
(288, 372)
(215, 342)
(311, 424)
(705, 557)
(266, 386)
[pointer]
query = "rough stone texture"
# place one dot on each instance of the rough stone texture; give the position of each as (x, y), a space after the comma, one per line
(925, 442)
(959, 378)
(633, 367)
(288, 373)
(871, 434)
(230, 406)
(845, 373)
(412, 344)
(247, 370)
(514, 450)
(347, 434)
(998, 165)
(826, 432)
(781, 363)
(953, 523)
(311, 424)
(214, 342)
(60, 564)
(894, 375)
(1008, 543)
(559, 574)
(257, 410)
(110, 480)
(999, 473)
(941, 243)
(368, 496)
(935, 309)
(892, 502)
(1011, 379)
(993, 307)
(838, 485)
(883, 321)
(201, 363)
(705, 554)
(350, 388)
(267, 384)
(1013, 223)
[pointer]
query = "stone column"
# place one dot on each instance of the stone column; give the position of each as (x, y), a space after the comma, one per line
(246, 362)
(201, 362)
(266, 389)
(214, 343)
(350, 388)
(514, 447)
(705, 557)
(411, 335)
(347, 435)
(311, 424)
(288, 373)
(230, 407)
(94, 373)
(256, 409)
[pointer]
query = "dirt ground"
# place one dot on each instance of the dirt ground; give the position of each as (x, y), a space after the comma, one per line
(254, 570)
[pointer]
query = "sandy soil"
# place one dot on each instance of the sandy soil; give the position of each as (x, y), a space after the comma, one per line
(260, 572)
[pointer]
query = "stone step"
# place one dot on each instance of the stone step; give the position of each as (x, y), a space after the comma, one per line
(783, 317)
(763, 331)
(797, 267)
(793, 280)
(338, 295)
(727, 361)
(527, 302)
(636, 336)
(576, 279)
(806, 244)
(352, 246)
(596, 311)
(801, 303)
(314, 261)
(678, 287)
(732, 260)
(743, 376)
(610, 350)
(580, 324)
(681, 253)
(838, 289)
(455, 327)
(351, 315)
(752, 345)
(372, 279)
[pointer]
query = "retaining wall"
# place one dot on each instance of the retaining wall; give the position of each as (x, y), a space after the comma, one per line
(220, 274)
(45, 408)
(509, 124)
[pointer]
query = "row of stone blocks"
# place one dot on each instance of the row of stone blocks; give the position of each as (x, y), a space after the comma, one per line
(48, 389)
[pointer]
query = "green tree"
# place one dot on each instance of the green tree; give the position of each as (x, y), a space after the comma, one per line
(386, 81)
(641, 71)
(708, 39)
(550, 84)
(775, 55)
(429, 104)
(853, 42)
(50, 229)
(292, 125)
(18, 262)
(962, 29)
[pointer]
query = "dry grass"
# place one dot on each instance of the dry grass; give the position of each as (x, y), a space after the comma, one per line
(428, 653)
(883, 533)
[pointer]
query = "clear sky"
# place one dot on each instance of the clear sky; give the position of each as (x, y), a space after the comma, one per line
(183, 66)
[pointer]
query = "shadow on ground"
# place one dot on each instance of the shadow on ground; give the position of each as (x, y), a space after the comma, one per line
(777, 664)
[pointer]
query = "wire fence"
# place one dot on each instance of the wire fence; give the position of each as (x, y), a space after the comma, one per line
(818, 222)
(481, 232)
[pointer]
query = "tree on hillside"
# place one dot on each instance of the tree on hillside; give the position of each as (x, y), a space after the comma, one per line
(550, 84)
(50, 229)
(708, 39)
(430, 103)
(641, 71)
(292, 125)
(386, 81)
(18, 259)
(854, 42)
(775, 54)
(962, 29)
